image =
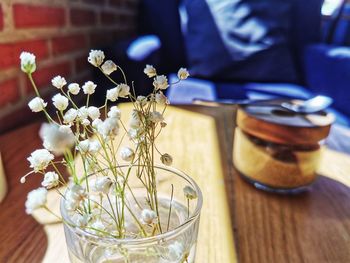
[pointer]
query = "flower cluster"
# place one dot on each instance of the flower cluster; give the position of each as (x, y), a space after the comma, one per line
(96, 198)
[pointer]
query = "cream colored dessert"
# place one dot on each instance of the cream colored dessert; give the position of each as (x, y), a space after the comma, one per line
(266, 164)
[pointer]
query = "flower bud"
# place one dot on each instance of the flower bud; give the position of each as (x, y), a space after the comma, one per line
(102, 184)
(160, 82)
(60, 102)
(58, 82)
(74, 88)
(27, 62)
(127, 154)
(183, 73)
(50, 180)
(148, 217)
(150, 71)
(96, 57)
(108, 67)
(166, 159)
(37, 104)
(190, 193)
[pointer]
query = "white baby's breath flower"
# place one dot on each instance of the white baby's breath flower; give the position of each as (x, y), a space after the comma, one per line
(183, 73)
(76, 192)
(135, 121)
(148, 217)
(123, 90)
(70, 116)
(36, 199)
(40, 159)
(109, 127)
(60, 102)
(190, 193)
(89, 87)
(160, 82)
(141, 100)
(166, 159)
(96, 57)
(94, 112)
(101, 184)
(74, 196)
(85, 122)
(133, 133)
(83, 146)
(80, 220)
(58, 82)
(114, 112)
(96, 122)
(127, 154)
(50, 180)
(112, 125)
(112, 94)
(65, 129)
(156, 117)
(150, 71)
(97, 227)
(161, 99)
(27, 62)
(108, 67)
(74, 88)
(176, 251)
(56, 139)
(37, 104)
(94, 146)
(83, 113)
(71, 205)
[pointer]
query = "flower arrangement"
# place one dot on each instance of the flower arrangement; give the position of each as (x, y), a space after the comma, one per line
(96, 198)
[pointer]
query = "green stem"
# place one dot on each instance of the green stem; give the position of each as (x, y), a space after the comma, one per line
(170, 206)
(52, 213)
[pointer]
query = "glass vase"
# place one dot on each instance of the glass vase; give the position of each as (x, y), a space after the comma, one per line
(178, 217)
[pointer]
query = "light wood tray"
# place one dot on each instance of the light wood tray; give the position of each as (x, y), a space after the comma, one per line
(192, 141)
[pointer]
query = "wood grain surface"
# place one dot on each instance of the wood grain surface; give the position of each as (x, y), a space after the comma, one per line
(310, 227)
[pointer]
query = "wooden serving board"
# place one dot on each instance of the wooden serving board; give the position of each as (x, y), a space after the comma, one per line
(192, 140)
(312, 227)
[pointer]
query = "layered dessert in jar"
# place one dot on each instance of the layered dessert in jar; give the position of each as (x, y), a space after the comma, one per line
(278, 150)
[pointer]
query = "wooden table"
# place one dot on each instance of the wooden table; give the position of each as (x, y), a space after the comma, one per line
(311, 227)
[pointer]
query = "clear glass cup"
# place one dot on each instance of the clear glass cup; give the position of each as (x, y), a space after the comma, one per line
(176, 243)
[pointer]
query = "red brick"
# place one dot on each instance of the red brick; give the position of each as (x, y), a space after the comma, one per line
(27, 16)
(109, 18)
(43, 76)
(9, 91)
(1, 19)
(104, 36)
(10, 52)
(82, 17)
(68, 44)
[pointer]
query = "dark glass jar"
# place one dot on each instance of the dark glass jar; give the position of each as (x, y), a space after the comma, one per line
(278, 150)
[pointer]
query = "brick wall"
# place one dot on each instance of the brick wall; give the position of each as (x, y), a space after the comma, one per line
(60, 33)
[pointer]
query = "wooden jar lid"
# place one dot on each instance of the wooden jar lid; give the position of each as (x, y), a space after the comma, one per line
(275, 124)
